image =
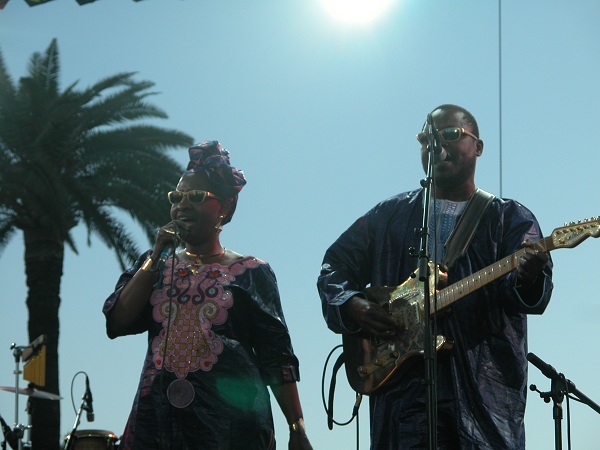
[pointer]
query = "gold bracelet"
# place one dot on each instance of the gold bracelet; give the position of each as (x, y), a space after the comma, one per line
(298, 426)
(147, 266)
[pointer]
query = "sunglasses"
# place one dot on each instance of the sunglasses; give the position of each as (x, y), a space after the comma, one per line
(450, 134)
(196, 196)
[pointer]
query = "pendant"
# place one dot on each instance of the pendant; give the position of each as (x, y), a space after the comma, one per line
(180, 393)
(195, 266)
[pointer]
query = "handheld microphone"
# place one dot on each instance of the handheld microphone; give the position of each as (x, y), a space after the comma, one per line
(435, 142)
(166, 251)
(89, 401)
(168, 248)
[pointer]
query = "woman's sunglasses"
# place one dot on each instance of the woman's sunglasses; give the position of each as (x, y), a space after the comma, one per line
(196, 196)
(450, 134)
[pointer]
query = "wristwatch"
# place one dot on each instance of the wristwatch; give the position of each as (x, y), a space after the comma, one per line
(298, 426)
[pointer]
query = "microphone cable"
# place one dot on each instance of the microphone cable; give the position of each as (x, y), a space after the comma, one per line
(81, 372)
(70, 440)
(162, 444)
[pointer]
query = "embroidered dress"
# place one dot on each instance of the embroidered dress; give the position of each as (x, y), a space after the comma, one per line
(216, 338)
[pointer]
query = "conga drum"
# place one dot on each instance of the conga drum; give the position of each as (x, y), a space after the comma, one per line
(94, 440)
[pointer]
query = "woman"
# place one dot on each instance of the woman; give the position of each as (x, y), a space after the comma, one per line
(217, 335)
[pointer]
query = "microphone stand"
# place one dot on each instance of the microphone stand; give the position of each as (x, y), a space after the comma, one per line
(559, 386)
(83, 407)
(424, 276)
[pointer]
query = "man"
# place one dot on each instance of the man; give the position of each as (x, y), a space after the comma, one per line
(481, 382)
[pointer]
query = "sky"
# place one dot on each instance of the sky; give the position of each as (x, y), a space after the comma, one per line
(321, 114)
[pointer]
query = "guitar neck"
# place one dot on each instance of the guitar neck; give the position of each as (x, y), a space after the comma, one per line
(458, 290)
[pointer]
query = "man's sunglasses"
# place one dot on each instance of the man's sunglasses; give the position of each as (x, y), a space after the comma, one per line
(450, 134)
(196, 196)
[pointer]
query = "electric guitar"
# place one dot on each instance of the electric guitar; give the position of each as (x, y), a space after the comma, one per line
(371, 362)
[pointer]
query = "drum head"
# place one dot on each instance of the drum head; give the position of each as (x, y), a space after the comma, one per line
(94, 440)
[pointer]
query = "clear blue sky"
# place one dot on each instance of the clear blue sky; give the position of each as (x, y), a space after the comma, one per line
(321, 115)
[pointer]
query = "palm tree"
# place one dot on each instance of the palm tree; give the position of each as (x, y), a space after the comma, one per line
(72, 156)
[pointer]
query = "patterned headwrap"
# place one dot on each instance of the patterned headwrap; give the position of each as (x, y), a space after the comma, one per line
(212, 160)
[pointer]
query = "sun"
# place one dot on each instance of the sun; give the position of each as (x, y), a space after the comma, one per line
(357, 11)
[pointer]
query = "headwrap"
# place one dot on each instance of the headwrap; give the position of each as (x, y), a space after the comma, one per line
(212, 160)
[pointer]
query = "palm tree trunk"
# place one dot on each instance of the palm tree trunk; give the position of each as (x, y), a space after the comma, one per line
(44, 255)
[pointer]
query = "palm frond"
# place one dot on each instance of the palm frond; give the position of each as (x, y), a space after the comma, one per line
(46, 68)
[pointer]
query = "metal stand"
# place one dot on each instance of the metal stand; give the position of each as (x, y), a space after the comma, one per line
(86, 405)
(70, 438)
(559, 387)
(24, 354)
(9, 436)
(429, 356)
(19, 429)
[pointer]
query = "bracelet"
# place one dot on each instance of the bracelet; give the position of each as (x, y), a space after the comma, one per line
(147, 266)
(298, 426)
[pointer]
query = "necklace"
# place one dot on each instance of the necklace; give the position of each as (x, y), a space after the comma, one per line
(197, 263)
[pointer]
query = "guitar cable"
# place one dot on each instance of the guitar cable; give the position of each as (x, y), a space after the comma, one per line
(329, 404)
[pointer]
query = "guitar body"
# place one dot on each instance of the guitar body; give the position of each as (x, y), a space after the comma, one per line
(371, 362)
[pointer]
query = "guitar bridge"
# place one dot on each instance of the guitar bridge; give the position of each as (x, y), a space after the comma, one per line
(384, 360)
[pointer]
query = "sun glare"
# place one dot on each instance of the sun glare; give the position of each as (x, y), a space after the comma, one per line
(356, 11)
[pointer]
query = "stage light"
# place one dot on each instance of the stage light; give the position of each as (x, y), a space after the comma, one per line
(39, 2)
(36, 2)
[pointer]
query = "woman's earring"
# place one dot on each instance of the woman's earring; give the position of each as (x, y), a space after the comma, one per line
(218, 226)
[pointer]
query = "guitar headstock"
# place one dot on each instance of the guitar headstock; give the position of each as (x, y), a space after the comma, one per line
(573, 233)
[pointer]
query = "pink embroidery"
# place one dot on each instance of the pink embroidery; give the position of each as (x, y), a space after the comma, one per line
(199, 301)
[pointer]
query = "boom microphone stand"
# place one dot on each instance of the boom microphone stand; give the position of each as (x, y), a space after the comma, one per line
(559, 387)
(70, 441)
(435, 151)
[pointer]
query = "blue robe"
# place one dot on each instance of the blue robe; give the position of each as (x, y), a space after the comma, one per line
(482, 380)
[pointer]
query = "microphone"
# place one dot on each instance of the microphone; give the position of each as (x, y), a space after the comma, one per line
(162, 259)
(167, 249)
(9, 435)
(545, 368)
(88, 400)
(435, 142)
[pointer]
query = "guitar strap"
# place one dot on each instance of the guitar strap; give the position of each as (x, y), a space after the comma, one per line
(463, 232)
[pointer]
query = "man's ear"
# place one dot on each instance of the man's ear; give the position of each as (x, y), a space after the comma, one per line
(479, 150)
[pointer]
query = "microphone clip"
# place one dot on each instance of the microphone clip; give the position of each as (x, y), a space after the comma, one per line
(434, 142)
